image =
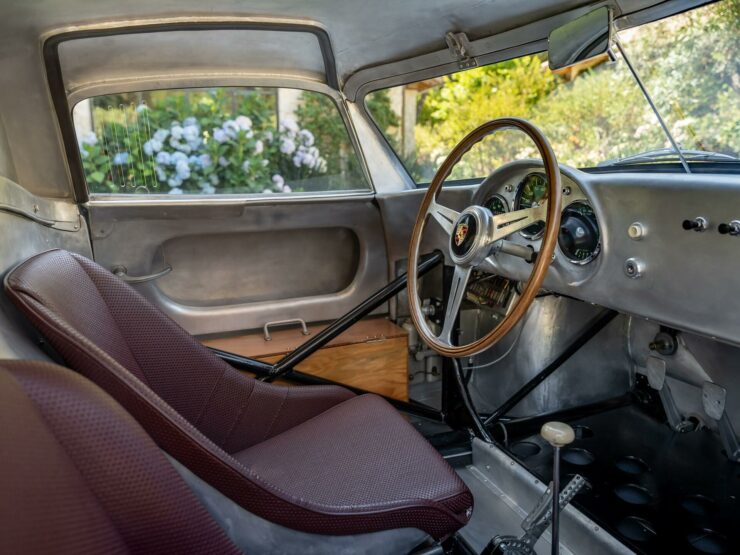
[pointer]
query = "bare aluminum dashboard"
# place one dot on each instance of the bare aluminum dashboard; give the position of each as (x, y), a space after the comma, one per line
(689, 280)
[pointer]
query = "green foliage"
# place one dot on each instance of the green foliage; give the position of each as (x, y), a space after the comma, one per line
(690, 64)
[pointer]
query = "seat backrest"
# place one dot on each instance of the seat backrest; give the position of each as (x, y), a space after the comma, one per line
(79, 475)
(108, 332)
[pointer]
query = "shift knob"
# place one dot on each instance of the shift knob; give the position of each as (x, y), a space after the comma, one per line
(557, 434)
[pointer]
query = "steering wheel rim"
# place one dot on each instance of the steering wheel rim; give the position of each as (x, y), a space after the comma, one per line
(487, 230)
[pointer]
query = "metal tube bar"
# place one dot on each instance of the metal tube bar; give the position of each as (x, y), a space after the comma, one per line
(341, 324)
(647, 96)
(555, 501)
(478, 424)
(598, 324)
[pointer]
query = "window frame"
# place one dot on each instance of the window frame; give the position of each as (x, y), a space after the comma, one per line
(63, 108)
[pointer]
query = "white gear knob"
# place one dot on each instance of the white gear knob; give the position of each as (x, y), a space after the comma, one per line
(557, 434)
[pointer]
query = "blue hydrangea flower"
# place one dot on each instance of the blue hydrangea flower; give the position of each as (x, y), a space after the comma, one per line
(161, 135)
(120, 158)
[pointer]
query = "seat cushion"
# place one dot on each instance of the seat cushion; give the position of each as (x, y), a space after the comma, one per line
(79, 475)
(362, 457)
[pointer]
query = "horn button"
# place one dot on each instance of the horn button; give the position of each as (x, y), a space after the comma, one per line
(468, 236)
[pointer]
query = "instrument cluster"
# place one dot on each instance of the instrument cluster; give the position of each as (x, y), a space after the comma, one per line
(579, 240)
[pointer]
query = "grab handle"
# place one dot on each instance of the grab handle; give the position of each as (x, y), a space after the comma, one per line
(266, 328)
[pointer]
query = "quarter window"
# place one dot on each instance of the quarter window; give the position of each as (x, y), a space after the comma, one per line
(216, 141)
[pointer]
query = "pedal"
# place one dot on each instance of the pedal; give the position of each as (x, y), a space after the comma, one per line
(536, 522)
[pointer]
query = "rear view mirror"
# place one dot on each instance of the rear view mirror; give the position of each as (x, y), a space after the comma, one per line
(581, 39)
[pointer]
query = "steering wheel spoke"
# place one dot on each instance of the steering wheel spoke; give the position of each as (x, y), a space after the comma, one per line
(511, 222)
(457, 293)
(445, 217)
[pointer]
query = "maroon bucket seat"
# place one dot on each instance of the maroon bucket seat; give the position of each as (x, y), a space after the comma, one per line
(79, 475)
(315, 459)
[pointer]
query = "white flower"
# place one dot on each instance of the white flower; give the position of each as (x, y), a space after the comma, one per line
(231, 129)
(220, 136)
(161, 135)
(174, 182)
(177, 145)
(161, 174)
(243, 122)
(268, 136)
(287, 189)
(287, 146)
(177, 132)
(258, 147)
(178, 157)
(267, 192)
(152, 146)
(278, 181)
(204, 160)
(245, 166)
(120, 158)
(89, 138)
(289, 124)
(182, 168)
(84, 153)
(213, 178)
(189, 121)
(176, 191)
(163, 158)
(307, 137)
(191, 133)
(223, 162)
(265, 162)
(207, 189)
(141, 108)
(298, 159)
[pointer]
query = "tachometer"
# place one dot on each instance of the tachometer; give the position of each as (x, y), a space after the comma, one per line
(532, 189)
(579, 238)
(497, 205)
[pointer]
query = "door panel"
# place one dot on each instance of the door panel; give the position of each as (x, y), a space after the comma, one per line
(239, 264)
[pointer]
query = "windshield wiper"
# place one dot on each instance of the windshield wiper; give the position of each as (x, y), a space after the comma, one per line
(669, 154)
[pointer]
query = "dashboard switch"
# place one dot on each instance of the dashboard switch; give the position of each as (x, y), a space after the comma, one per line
(697, 224)
(733, 228)
(633, 268)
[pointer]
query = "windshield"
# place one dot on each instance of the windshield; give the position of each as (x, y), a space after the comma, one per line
(592, 113)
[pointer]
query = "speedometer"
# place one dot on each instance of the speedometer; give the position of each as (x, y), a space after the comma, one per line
(532, 189)
(579, 238)
(497, 205)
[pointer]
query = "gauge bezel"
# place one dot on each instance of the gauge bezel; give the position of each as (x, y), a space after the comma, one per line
(517, 198)
(499, 197)
(597, 250)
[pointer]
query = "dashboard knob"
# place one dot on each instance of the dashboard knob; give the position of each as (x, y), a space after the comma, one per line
(733, 228)
(697, 224)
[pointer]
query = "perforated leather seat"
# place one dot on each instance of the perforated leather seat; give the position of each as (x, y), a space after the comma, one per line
(316, 459)
(79, 475)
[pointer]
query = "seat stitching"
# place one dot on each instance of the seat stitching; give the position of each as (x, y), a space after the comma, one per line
(239, 416)
(277, 414)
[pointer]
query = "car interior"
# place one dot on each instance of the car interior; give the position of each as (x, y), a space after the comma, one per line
(423, 278)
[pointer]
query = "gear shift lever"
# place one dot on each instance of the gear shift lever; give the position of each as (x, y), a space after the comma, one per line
(557, 434)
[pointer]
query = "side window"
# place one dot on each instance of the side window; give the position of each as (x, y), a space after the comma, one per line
(215, 141)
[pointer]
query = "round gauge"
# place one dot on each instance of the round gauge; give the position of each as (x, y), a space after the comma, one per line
(497, 205)
(579, 238)
(532, 189)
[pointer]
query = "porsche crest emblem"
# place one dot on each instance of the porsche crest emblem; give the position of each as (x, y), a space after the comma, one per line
(461, 232)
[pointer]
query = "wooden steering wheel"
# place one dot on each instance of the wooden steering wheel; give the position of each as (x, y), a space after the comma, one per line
(475, 234)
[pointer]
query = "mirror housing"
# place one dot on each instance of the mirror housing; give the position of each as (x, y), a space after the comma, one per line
(580, 39)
